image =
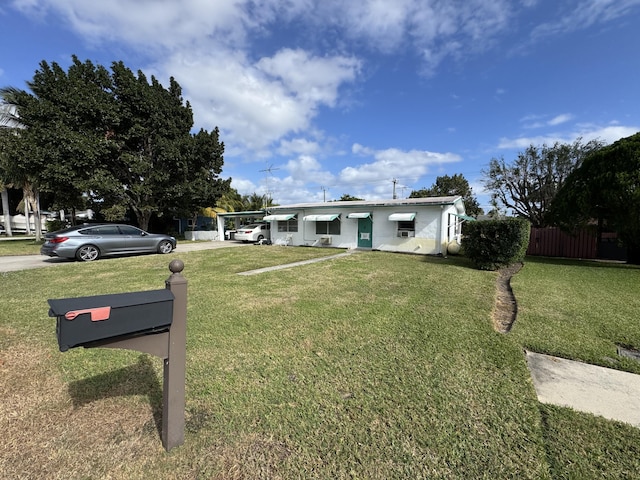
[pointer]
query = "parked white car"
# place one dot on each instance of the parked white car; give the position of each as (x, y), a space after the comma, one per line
(254, 232)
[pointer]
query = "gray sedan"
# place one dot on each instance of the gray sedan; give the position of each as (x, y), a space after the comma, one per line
(90, 242)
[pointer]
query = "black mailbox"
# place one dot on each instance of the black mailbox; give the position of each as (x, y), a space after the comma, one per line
(83, 320)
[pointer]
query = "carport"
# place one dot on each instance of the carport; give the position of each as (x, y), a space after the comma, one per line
(250, 216)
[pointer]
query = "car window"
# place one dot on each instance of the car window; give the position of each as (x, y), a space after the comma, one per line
(129, 230)
(108, 230)
(101, 230)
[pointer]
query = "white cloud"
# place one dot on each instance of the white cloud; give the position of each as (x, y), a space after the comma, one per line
(307, 169)
(392, 162)
(310, 79)
(586, 14)
(559, 119)
(607, 134)
(243, 186)
(152, 24)
(258, 104)
(540, 121)
(298, 146)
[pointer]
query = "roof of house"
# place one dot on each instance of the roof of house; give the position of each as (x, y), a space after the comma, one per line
(425, 201)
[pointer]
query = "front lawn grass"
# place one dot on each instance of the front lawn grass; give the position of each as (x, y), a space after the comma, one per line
(580, 310)
(19, 246)
(375, 365)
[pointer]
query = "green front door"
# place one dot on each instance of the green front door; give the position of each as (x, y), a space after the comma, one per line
(365, 230)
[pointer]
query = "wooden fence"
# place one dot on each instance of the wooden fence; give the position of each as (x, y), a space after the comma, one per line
(552, 242)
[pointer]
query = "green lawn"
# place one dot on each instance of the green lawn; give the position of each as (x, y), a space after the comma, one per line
(376, 365)
(19, 246)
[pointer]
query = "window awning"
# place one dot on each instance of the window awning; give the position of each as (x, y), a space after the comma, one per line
(465, 217)
(359, 215)
(321, 218)
(279, 218)
(402, 217)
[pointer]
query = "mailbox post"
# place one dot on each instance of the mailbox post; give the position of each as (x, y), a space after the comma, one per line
(173, 395)
(153, 322)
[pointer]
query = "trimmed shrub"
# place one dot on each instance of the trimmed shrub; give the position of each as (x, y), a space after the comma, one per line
(493, 244)
(55, 224)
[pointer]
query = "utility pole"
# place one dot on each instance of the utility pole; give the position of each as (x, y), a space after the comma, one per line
(394, 188)
(324, 194)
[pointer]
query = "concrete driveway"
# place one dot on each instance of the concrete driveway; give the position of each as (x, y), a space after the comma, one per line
(26, 262)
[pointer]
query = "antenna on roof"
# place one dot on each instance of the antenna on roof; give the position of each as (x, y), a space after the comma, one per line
(268, 171)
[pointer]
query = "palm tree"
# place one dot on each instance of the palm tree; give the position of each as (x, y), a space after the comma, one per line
(10, 120)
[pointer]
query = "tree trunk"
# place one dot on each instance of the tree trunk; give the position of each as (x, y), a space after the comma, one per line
(38, 217)
(144, 217)
(6, 212)
(27, 218)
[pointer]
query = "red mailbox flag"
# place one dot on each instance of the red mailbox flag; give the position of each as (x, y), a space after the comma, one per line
(97, 314)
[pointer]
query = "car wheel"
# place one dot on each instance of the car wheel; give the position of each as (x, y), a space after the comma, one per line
(165, 246)
(88, 253)
(260, 238)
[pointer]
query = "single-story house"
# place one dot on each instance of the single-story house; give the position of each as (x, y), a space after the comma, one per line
(429, 226)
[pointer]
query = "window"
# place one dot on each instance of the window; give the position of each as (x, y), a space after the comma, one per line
(127, 230)
(102, 230)
(290, 225)
(406, 223)
(407, 228)
(328, 228)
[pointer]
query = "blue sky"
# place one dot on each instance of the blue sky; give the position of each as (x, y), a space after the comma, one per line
(319, 98)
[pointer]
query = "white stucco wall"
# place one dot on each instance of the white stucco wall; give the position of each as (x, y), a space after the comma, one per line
(431, 228)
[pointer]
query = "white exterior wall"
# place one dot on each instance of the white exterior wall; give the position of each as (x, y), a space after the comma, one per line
(431, 228)
(19, 223)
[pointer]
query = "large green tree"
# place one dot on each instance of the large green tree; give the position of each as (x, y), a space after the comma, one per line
(528, 184)
(606, 188)
(117, 139)
(446, 185)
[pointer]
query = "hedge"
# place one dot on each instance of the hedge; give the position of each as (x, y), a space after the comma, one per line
(493, 244)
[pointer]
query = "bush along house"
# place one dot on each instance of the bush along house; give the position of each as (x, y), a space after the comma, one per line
(429, 226)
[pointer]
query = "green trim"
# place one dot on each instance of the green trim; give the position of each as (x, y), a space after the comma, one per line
(465, 217)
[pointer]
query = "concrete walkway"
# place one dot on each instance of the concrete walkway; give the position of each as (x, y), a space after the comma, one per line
(610, 393)
(295, 264)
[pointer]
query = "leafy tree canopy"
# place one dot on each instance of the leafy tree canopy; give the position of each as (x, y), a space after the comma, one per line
(448, 186)
(529, 183)
(605, 187)
(349, 198)
(117, 138)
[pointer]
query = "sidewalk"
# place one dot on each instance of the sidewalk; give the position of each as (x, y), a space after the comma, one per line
(610, 393)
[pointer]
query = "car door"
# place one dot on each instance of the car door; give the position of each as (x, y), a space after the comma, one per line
(106, 237)
(137, 240)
